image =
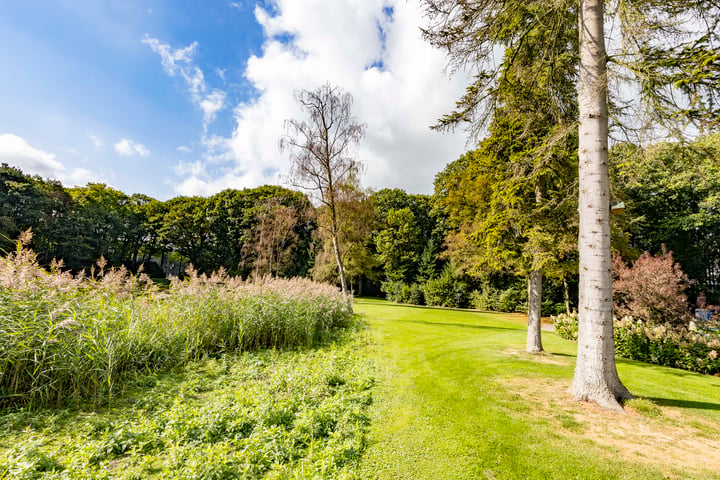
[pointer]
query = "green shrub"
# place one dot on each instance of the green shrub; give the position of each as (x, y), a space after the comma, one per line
(446, 291)
(416, 295)
(511, 300)
(393, 290)
(690, 348)
(566, 325)
(490, 298)
(486, 299)
(552, 308)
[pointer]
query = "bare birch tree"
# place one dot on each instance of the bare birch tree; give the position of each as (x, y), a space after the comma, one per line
(322, 153)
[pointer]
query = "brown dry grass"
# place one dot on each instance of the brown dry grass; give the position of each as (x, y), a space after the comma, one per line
(675, 440)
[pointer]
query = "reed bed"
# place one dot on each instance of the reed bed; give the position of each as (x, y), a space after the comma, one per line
(69, 338)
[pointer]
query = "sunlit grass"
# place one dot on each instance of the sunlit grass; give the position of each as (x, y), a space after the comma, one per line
(458, 398)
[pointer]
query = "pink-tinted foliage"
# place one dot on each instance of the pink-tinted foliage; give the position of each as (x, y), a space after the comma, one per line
(652, 289)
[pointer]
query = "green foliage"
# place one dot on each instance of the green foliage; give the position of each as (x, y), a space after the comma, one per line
(446, 290)
(489, 298)
(485, 299)
(79, 225)
(65, 338)
(692, 348)
(263, 414)
(408, 235)
(566, 325)
(672, 196)
(403, 293)
(398, 245)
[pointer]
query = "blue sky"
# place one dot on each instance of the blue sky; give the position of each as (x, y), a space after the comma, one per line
(188, 97)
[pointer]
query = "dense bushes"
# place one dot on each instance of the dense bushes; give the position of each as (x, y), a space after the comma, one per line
(450, 291)
(693, 348)
(447, 291)
(65, 338)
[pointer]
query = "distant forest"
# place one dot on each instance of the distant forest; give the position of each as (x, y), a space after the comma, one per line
(423, 249)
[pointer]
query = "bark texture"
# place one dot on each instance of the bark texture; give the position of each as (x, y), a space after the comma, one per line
(534, 336)
(596, 377)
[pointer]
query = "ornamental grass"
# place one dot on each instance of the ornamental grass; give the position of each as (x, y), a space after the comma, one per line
(66, 339)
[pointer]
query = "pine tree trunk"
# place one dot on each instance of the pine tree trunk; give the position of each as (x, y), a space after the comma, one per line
(534, 336)
(596, 377)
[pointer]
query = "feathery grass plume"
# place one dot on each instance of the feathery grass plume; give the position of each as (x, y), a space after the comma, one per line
(66, 339)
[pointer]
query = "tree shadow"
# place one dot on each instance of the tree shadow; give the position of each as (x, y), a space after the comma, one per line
(557, 354)
(404, 306)
(673, 402)
(459, 325)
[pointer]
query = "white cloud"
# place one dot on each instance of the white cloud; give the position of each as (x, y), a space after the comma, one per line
(97, 141)
(16, 151)
(183, 149)
(179, 62)
(129, 148)
(395, 77)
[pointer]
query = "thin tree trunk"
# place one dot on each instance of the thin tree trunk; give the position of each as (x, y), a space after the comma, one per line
(566, 296)
(596, 377)
(534, 335)
(341, 270)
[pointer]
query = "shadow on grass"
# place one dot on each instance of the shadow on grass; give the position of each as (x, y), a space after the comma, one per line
(673, 402)
(387, 303)
(459, 325)
(558, 354)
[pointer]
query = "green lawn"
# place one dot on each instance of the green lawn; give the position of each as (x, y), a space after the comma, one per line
(457, 398)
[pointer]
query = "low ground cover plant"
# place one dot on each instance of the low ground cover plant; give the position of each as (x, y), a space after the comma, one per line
(265, 414)
(68, 338)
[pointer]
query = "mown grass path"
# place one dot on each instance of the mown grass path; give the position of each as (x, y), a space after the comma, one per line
(459, 399)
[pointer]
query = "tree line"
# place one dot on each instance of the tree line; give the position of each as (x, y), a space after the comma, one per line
(264, 230)
(470, 244)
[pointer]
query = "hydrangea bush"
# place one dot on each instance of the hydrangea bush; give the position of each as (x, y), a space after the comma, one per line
(694, 347)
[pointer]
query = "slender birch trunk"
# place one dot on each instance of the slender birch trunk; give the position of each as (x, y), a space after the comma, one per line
(596, 377)
(341, 269)
(534, 335)
(336, 246)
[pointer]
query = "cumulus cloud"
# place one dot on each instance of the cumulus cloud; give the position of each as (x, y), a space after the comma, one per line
(178, 62)
(17, 152)
(129, 148)
(370, 48)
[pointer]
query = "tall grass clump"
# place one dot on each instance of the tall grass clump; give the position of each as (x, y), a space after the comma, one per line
(69, 338)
